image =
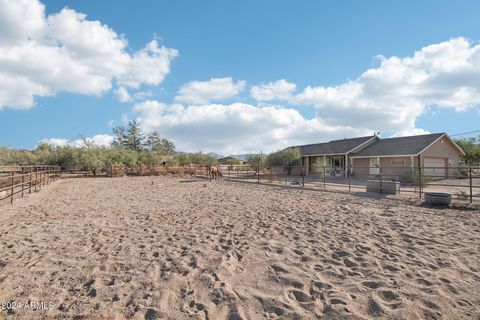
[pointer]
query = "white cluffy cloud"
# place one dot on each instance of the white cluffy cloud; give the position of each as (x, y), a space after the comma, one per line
(202, 92)
(123, 95)
(102, 140)
(388, 98)
(392, 96)
(281, 90)
(234, 128)
(42, 55)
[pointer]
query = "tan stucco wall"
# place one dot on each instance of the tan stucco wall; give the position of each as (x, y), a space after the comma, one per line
(446, 150)
(389, 169)
(443, 148)
(360, 166)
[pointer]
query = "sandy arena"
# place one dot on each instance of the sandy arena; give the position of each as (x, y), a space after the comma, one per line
(167, 248)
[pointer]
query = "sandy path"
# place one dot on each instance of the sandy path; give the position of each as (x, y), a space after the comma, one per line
(123, 247)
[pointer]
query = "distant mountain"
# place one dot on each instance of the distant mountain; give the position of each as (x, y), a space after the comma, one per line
(215, 155)
(242, 156)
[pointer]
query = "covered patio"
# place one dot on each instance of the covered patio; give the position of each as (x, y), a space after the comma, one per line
(333, 165)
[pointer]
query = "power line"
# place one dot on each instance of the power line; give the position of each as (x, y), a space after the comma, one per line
(465, 133)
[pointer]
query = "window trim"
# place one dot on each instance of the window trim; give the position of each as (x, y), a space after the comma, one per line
(403, 164)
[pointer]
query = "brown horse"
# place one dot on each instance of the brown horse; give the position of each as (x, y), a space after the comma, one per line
(215, 172)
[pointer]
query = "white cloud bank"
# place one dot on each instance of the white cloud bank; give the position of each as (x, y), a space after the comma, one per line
(235, 128)
(278, 90)
(102, 140)
(203, 92)
(392, 96)
(388, 98)
(123, 95)
(42, 55)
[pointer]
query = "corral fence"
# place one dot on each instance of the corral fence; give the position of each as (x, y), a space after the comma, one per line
(462, 182)
(18, 180)
(157, 170)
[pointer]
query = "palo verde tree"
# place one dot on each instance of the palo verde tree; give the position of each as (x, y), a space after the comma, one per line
(257, 160)
(285, 157)
(91, 157)
(471, 147)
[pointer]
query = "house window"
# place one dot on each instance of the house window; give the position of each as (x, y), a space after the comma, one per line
(451, 162)
(399, 163)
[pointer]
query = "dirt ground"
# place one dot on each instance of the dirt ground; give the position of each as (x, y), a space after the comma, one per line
(172, 248)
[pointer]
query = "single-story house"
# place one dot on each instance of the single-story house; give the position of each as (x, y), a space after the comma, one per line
(437, 153)
(231, 160)
(333, 154)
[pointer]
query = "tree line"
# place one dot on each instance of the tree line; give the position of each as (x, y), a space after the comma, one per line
(131, 147)
(132, 138)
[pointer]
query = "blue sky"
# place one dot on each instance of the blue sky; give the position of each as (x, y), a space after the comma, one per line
(315, 44)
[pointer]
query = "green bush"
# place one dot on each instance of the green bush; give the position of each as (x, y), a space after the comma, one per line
(412, 176)
(286, 157)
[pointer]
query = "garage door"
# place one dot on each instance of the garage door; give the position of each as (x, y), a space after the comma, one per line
(434, 167)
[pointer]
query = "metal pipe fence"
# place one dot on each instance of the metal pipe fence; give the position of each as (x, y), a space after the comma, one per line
(18, 180)
(463, 182)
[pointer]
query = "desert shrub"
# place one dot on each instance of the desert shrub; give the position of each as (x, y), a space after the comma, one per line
(233, 162)
(257, 160)
(471, 147)
(286, 157)
(462, 195)
(318, 166)
(462, 171)
(412, 176)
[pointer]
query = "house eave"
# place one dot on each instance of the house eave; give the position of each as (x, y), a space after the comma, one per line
(373, 138)
(324, 154)
(384, 156)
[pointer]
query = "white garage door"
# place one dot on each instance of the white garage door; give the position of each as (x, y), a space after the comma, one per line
(434, 167)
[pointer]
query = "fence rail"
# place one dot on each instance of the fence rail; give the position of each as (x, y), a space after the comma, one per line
(464, 182)
(18, 180)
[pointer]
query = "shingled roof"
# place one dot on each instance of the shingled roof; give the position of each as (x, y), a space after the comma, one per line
(412, 145)
(333, 147)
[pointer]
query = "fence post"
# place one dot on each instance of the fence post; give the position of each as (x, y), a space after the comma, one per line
(303, 176)
(349, 181)
(420, 181)
(30, 181)
(471, 185)
(13, 180)
(285, 174)
(324, 173)
(23, 180)
(258, 174)
(381, 183)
